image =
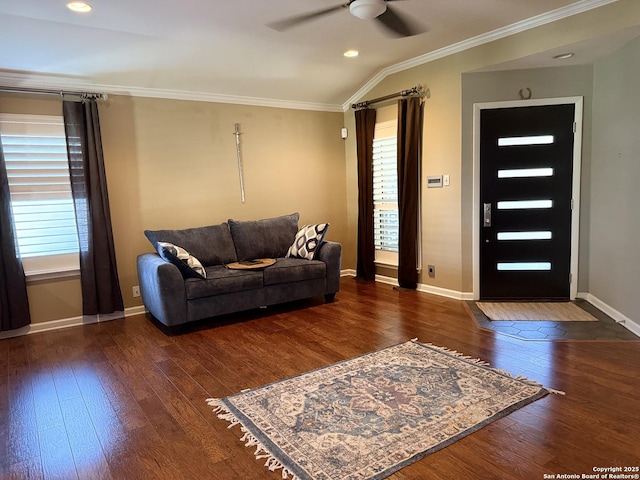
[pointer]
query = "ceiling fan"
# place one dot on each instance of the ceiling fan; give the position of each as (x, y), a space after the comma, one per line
(380, 10)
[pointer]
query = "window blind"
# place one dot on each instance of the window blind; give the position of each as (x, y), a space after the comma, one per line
(38, 170)
(385, 194)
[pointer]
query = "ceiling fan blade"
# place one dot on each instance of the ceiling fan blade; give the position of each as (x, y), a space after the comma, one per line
(287, 23)
(397, 26)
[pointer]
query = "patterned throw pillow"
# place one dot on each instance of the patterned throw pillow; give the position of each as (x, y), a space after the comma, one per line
(189, 266)
(307, 241)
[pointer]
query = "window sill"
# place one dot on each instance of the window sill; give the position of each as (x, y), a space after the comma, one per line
(44, 275)
(386, 264)
(386, 258)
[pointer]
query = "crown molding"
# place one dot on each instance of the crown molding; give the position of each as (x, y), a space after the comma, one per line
(233, 99)
(518, 27)
(71, 84)
(28, 81)
(67, 83)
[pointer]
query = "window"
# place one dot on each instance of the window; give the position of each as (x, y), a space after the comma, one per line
(524, 204)
(526, 172)
(520, 141)
(385, 193)
(35, 154)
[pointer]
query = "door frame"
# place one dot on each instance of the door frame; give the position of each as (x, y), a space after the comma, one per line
(575, 189)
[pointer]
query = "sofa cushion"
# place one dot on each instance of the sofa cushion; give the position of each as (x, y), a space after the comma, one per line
(221, 280)
(189, 266)
(307, 241)
(287, 270)
(212, 245)
(266, 238)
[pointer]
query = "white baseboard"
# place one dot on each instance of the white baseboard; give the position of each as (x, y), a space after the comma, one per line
(70, 322)
(443, 292)
(618, 316)
(387, 280)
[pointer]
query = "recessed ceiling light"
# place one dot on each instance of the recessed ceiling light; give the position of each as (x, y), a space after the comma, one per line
(563, 56)
(351, 53)
(79, 7)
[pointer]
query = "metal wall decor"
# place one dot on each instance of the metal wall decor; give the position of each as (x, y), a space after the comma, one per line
(523, 95)
(239, 155)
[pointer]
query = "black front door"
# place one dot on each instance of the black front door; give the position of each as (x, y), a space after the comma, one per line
(526, 168)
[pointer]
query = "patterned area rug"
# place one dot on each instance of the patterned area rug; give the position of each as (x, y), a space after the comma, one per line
(535, 311)
(369, 416)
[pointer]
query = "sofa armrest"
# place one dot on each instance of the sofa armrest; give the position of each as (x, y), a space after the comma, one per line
(162, 289)
(331, 254)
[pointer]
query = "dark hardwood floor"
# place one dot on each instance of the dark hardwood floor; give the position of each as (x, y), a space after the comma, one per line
(124, 400)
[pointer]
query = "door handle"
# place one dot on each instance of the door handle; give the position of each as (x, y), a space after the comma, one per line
(487, 215)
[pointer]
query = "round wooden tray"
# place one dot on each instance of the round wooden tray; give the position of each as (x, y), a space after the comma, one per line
(251, 264)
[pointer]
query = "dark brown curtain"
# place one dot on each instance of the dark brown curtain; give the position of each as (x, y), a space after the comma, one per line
(98, 273)
(14, 304)
(409, 148)
(365, 129)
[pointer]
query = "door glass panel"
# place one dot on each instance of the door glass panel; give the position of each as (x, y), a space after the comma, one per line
(524, 266)
(522, 141)
(543, 235)
(521, 204)
(525, 173)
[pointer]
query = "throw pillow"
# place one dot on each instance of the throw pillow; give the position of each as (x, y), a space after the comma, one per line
(212, 245)
(189, 266)
(266, 238)
(307, 241)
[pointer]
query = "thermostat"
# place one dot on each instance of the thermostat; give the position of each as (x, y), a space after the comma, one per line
(434, 181)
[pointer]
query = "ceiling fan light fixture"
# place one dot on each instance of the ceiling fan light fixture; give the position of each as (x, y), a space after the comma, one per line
(81, 7)
(563, 56)
(367, 9)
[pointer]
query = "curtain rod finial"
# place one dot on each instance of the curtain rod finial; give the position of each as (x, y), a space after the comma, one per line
(423, 91)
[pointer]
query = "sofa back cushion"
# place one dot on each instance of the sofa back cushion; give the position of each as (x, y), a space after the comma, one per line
(266, 238)
(212, 245)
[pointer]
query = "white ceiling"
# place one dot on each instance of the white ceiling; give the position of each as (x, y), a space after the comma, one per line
(224, 49)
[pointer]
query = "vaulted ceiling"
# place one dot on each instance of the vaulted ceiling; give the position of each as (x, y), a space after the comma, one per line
(226, 50)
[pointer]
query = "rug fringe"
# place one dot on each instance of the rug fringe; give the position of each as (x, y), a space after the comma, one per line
(477, 361)
(272, 463)
(556, 392)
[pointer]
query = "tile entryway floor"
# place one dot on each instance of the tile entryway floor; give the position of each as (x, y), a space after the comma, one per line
(604, 329)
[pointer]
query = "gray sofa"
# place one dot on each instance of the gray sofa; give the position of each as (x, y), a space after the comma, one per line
(175, 297)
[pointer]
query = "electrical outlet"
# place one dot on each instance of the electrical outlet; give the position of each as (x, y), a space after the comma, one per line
(431, 269)
(136, 291)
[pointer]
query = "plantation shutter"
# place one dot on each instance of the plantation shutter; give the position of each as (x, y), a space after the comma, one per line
(385, 193)
(38, 171)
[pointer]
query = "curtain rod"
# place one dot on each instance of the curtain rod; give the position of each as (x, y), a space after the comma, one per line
(60, 93)
(418, 90)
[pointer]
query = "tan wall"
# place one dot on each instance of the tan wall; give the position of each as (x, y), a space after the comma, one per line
(173, 164)
(446, 242)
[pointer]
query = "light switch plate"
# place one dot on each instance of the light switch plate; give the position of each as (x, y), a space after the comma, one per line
(446, 180)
